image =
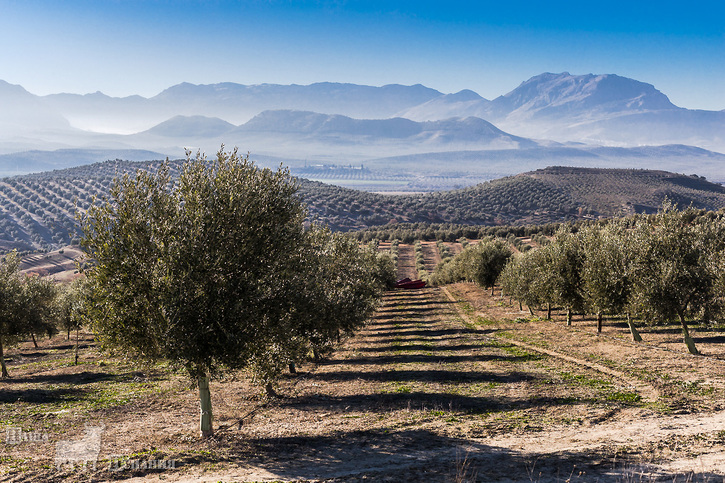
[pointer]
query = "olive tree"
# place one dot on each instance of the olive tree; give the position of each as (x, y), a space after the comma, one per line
(199, 270)
(11, 331)
(553, 274)
(337, 292)
(26, 306)
(608, 271)
(71, 310)
(677, 273)
(38, 297)
(487, 260)
(525, 278)
(69, 306)
(481, 263)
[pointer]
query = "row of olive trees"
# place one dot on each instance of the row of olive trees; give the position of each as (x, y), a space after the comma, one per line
(659, 268)
(215, 270)
(481, 263)
(31, 307)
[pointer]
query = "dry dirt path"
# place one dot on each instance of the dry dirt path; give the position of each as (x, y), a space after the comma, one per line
(644, 390)
(406, 262)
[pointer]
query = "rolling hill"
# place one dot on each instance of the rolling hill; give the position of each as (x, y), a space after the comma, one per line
(37, 212)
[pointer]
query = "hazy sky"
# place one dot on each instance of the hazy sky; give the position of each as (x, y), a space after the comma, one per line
(124, 47)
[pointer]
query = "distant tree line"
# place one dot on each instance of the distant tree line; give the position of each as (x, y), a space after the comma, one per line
(449, 232)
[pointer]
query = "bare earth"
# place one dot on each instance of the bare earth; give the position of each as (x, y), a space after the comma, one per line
(442, 385)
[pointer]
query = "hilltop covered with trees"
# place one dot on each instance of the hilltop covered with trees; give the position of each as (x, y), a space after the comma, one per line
(38, 211)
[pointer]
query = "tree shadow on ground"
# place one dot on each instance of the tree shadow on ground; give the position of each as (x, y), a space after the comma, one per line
(438, 376)
(397, 312)
(427, 358)
(428, 333)
(417, 347)
(713, 339)
(40, 396)
(402, 400)
(424, 456)
(72, 378)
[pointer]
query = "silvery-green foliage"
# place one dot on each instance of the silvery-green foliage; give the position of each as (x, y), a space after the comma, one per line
(196, 270)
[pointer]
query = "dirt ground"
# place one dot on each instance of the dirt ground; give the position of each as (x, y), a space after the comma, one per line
(443, 384)
(59, 265)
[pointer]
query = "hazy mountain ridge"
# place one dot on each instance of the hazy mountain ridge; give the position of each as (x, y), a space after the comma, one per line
(549, 95)
(595, 109)
(192, 126)
(234, 103)
(552, 95)
(314, 124)
(332, 122)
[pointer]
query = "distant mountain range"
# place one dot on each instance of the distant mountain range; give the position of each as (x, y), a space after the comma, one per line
(582, 116)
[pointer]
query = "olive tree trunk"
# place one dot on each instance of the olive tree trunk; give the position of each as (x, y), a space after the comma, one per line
(633, 330)
(686, 333)
(5, 374)
(205, 423)
(76, 349)
(35, 342)
(568, 317)
(548, 311)
(599, 322)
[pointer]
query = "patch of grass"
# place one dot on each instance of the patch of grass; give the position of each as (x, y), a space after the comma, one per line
(397, 388)
(520, 338)
(516, 420)
(696, 388)
(520, 354)
(48, 364)
(605, 388)
(467, 308)
(624, 397)
(483, 321)
(659, 406)
(584, 380)
(603, 360)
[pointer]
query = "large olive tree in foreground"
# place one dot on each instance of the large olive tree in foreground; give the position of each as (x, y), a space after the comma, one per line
(199, 270)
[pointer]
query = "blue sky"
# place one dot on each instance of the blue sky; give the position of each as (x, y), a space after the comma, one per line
(124, 47)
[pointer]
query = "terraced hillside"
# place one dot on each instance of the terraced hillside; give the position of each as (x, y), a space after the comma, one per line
(626, 191)
(37, 212)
